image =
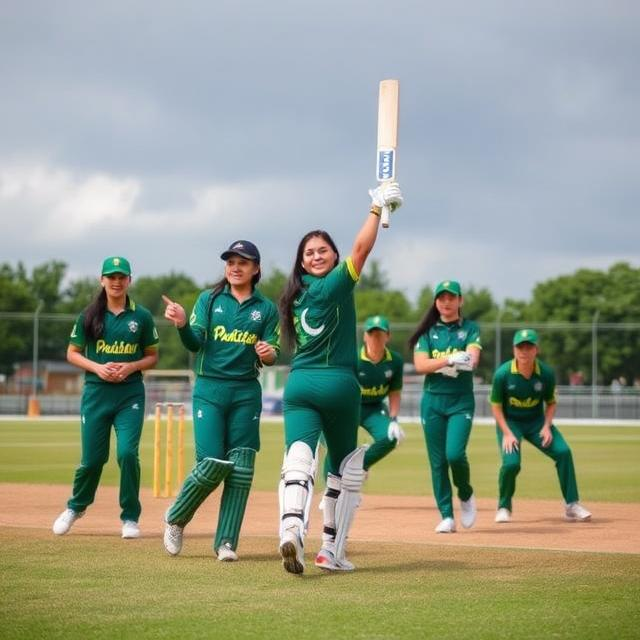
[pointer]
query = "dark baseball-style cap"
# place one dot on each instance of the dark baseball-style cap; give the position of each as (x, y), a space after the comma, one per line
(242, 248)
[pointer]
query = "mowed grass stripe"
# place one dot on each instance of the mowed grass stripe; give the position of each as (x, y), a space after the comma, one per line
(606, 460)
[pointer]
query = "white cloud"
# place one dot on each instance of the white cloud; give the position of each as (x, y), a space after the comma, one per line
(60, 205)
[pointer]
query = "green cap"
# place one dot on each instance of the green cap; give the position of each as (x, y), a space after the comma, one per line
(376, 322)
(525, 335)
(448, 285)
(115, 264)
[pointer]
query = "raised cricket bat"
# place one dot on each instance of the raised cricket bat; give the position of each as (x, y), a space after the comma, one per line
(388, 102)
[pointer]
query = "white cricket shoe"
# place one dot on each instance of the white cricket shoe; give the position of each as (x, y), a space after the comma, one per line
(468, 512)
(292, 551)
(226, 553)
(577, 513)
(327, 560)
(448, 525)
(65, 521)
(173, 538)
(503, 515)
(130, 530)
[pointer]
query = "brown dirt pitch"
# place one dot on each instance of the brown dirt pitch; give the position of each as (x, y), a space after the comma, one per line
(537, 524)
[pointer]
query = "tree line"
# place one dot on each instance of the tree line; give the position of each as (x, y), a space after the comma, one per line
(564, 308)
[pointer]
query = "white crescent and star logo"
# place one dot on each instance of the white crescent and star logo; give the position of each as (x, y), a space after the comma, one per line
(312, 331)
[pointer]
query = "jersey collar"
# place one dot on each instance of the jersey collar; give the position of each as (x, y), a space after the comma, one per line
(385, 358)
(450, 325)
(255, 294)
(536, 367)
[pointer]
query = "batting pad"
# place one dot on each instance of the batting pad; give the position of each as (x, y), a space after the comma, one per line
(205, 478)
(234, 497)
(349, 499)
(297, 476)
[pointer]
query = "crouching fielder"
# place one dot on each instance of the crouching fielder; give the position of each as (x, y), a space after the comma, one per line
(322, 393)
(523, 400)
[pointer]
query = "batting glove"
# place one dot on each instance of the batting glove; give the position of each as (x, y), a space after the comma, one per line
(395, 432)
(461, 360)
(450, 372)
(387, 194)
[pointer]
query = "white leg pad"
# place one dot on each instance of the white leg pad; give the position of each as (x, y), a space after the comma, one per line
(295, 483)
(349, 499)
(331, 494)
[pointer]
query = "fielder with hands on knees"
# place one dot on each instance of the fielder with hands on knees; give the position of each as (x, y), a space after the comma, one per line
(380, 376)
(523, 401)
(233, 330)
(322, 394)
(113, 340)
(447, 350)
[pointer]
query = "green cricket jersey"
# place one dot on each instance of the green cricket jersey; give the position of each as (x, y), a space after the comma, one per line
(444, 339)
(324, 317)
(378, 379)
(523, 399)
(224, 334)
(124, 339)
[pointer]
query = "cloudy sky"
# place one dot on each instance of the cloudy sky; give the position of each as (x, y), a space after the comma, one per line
(164, 130)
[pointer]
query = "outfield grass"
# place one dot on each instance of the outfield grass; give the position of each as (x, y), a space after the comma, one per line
(102, 587)
(99, 586)
(606, 460)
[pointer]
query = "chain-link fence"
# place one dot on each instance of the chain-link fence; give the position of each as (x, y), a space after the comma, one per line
(597, 366)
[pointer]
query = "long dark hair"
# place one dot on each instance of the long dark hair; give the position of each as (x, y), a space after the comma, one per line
(94, 316)
(430, 318)
(294, 284)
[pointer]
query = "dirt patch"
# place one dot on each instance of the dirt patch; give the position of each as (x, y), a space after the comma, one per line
(537, 524)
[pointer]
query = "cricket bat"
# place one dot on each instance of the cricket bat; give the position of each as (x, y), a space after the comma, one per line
(388, 102)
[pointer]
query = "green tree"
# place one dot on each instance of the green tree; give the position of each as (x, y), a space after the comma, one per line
(373, 278)
(15, 334)
(272, 285)
(611, 296)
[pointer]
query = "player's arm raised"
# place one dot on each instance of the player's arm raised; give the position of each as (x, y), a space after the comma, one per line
(387, 194)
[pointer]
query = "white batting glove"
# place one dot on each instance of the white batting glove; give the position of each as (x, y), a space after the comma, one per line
(387, 194)
(450, 372)
(461, 360)
(395, 432)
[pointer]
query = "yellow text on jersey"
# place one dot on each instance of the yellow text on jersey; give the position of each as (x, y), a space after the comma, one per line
(242, 337)
(444, 354)
(116, 347)
(374, 392)
(527, 403)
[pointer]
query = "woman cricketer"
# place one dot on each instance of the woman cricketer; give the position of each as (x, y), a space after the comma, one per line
(523, 401)
(113, 340)
(233, 330)
(447, 349)
(322, 394)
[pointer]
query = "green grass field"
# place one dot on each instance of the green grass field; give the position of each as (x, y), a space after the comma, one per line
(606, 458)
(95, 586)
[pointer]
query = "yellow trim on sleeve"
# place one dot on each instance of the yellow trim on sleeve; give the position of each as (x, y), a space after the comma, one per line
(355, 276)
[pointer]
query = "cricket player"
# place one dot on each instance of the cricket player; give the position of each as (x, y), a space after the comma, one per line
(447, 350)
(523, 401)
(113, 340)
(233, 330)
(380, 376)
(322, 394)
